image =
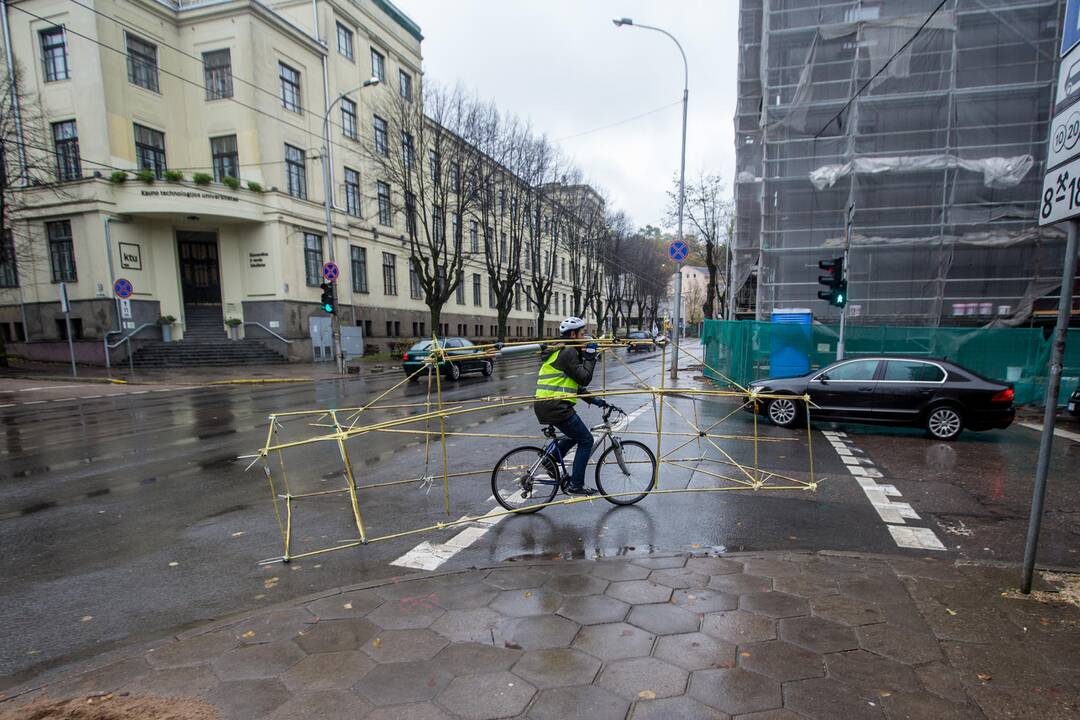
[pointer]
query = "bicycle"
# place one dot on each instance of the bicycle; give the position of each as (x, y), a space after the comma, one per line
(527, 478)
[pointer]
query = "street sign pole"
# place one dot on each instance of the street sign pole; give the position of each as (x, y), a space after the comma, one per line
(1053, 387)
(65, 305)
(843, 308)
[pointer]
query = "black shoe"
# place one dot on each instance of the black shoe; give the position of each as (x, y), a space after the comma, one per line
(571, 490)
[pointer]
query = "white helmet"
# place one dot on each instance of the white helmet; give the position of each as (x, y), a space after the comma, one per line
(570, 324)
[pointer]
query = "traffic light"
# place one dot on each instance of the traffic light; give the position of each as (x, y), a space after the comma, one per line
(836, 282)
(329, 303)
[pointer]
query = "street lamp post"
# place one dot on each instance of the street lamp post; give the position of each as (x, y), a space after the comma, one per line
(328, 206)
(677, 319)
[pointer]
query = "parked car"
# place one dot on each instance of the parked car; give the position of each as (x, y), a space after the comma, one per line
(470, 359)
(1074, 402)
(938, 395)
(641, 341)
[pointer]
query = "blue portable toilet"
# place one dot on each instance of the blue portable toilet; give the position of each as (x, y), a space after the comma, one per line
(792, 335)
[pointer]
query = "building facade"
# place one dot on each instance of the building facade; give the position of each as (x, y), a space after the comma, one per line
(188, 139)
(909, 134)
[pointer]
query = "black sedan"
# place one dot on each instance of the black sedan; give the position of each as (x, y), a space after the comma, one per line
(640, 341)
(938, 395)
(1074, 402)
(462, 357)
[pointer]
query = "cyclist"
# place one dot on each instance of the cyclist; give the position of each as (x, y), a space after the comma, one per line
(563, 376)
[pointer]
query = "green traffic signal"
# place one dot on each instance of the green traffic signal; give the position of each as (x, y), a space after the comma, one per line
(835, 281)
(329, 303)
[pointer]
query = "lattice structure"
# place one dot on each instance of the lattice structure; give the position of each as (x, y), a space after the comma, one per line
(696, 448)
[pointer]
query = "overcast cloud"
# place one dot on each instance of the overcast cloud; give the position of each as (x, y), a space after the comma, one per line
(562, 65)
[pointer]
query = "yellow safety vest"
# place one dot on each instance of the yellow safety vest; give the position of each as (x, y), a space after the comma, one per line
(552, 383)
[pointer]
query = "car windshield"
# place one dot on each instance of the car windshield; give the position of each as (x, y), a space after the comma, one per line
(421, 346)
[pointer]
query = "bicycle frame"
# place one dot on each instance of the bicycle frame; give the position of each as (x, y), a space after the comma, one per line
(606, 435)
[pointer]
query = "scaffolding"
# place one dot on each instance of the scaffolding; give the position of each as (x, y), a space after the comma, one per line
(911, 133)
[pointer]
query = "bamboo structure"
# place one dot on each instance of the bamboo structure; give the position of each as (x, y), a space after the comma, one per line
(714, 458)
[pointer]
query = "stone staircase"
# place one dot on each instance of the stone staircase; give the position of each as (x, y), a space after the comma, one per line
(205, 343)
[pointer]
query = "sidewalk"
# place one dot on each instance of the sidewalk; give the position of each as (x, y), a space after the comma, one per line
(768, 636)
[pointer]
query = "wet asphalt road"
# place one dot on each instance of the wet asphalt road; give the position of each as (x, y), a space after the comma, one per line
(129, 516)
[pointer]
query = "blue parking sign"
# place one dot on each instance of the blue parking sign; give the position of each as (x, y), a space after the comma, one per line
(1070, 32)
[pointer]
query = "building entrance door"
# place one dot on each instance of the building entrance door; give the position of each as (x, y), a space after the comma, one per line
(200, 281)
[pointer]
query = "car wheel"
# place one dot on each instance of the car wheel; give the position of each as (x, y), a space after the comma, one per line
(783, 411)
(453, 371)
(487, 368)
(944, 422)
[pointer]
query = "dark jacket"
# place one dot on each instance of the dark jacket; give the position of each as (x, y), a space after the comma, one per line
(577, 365)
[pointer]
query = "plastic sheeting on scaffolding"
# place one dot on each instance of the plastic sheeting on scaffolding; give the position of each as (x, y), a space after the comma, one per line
(998, 172)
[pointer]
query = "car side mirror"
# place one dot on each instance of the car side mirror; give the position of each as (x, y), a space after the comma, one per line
(823, 379)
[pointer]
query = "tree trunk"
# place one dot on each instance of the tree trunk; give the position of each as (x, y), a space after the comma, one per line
(710, 291)
(436, 318)
(540, 315)
(503, 315)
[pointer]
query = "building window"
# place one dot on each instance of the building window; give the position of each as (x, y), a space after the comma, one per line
(407, 149)
(384, 202)
(476, 289)
(54, 54)
(455, 232)
(434, 166)
(217, 69)
(150, 150)
(290, 88)
(563, 268)
(405, 85)
(517, 297)
(389, 273)
(66, 140)
(378, 65)
(410, 214)
(359, 270)
(352, 192)
(474, 237)
(460, 291)
(142, 63)
(313, 261)
(61, 251)
(295, 172)
(348, 118)
(367, 328)
(438, 224)
(381, 145)
(76, 328)
(224, 157)
(416, 291)
(344, 41)
(9, 269)
(491, 296)
(455, 177)
(503, 259)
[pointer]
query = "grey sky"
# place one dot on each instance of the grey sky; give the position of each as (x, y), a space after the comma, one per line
(562, 65)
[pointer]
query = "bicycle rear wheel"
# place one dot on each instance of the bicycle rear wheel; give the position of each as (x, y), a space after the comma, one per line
(515, 488)
(626, 473)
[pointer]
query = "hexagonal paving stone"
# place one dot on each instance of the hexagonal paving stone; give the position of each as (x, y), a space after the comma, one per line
(413, 711)
(772, 567)
(914, 706)
(271, 627)
(679, 578)
(615, 570)
(323, 671)
(739, 626)
(335, 635)
(614, 641)
(872, 673)
(464, 597)
(704, 600)
(191, 651)
(593, 609)
(576, 585)
(695, 651)
(470, 658)
(714, 565)
(487, 696)
(658, 562)
(631, 678)
(781, 661)
(778, 714)
(739, 583)
(536, 633)
(883, 589)
(807, 586)
(344, 605)
(404, 645)
(663, 619)
(174, 682)
(516, 578)
(397, 683)
(101, 680)
(683, 708)
(406, 613)
(248, 699)
(774, 604)
(736, 691)
(826, 699)
(253, 662)
(582, 701)
(523, 603)
(818, 634)
(637, 592)
(845, 610)
(901, 644)
(557, 668)
(324, 704)
(468, 625)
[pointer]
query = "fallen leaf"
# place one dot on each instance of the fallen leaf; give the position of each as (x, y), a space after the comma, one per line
(260, 596)
(884, 694)
(248, 634)
(270, 582)
(951, 612)
(377, 642)
(528, 594)
(238, 534)
(792, 537)
(173, 564)
(647, 695)
(86, 618)
(744, 654)
(347, 606)
(695, 545)
(985, 678)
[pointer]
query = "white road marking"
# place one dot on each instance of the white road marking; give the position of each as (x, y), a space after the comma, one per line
(8, 405)
(1075, 437)
(90, 397)
(916, 537)
(35, 402)
(138, 392)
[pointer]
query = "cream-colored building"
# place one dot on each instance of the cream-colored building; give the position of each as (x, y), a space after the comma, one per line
(228, 89)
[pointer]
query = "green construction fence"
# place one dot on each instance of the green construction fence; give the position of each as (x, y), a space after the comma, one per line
(740, 350)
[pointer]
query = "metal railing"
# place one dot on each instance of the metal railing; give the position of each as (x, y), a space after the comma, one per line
(118, 343)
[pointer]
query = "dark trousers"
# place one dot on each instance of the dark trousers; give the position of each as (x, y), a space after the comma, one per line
(577, 433)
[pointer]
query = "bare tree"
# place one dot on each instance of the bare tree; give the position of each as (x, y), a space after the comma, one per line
(709, 214)
(548, 222)
(583, 236)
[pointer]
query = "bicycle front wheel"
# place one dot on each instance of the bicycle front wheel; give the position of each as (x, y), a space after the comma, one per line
(524, 479)
(626, 472)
